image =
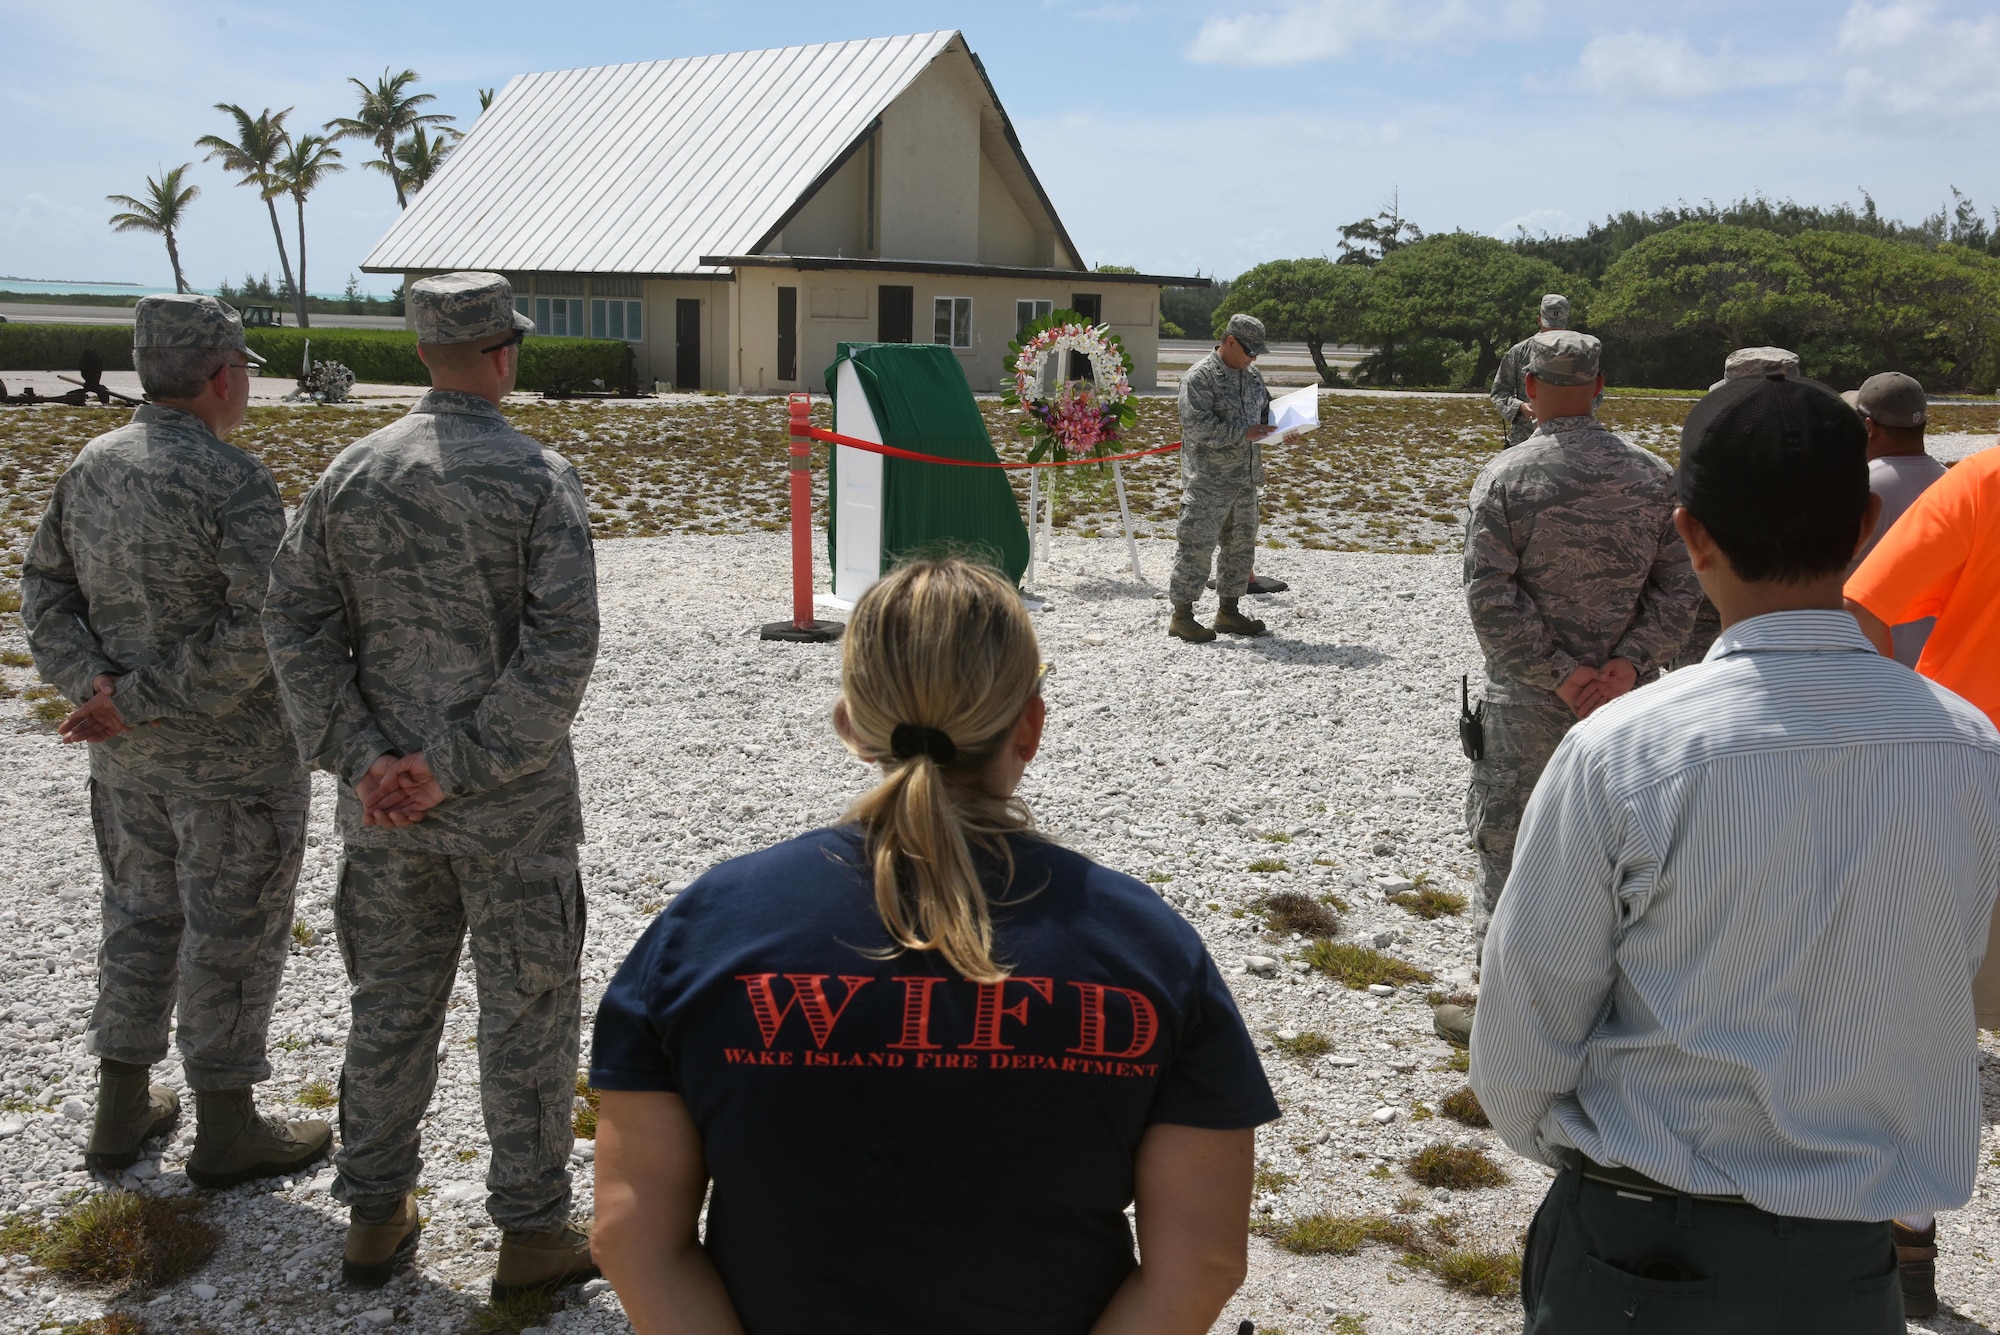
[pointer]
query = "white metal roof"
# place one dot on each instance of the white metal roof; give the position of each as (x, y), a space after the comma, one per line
(644, 168)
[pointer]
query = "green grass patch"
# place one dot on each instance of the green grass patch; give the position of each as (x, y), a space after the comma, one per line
(1270, 1179)
(1460, 1167)
(1357, 966)
(1488, 1272)
(48, 711)
(1276, 837)
(1427, 901)
(1343, 1235)
(584, 1119)
(15, 658)
(1459, 1060)
(118, 1239)
(304, 935)
(514, 1314)
(1463, 1106)
(317, 1095)
(1290, 911)
(1305, 1045)
(1266, 865)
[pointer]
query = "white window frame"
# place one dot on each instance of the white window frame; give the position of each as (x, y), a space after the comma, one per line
(957, 314)
(1037, 309)
(629, 324)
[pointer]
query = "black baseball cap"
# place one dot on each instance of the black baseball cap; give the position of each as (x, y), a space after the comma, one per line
(1776, 468)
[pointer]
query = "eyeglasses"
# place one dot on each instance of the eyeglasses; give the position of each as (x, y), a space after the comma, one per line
(517, 336)
(247, 368)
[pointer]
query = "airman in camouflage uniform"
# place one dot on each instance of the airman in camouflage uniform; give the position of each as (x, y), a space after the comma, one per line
(1742, 363)
(433, 623)
(141, 593)
(1509, 394)
(1224, 406)
(1572, 565)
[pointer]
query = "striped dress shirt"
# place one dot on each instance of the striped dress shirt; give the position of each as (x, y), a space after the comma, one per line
(1736, 951)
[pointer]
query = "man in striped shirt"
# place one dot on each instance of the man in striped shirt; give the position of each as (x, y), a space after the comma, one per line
(1728, 990)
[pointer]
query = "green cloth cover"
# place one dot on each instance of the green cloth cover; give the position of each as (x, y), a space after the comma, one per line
(922, 402)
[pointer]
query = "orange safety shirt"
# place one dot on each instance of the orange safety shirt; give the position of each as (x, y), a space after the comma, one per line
(1942, 559)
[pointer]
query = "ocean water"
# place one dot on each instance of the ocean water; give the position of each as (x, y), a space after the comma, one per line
(34, 286)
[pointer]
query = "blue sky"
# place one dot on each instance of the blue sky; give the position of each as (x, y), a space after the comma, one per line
(1173, 136)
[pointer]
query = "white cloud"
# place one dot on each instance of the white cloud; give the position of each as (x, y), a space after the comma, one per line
(1914, 68)
(1643, 65)
(1304, 31)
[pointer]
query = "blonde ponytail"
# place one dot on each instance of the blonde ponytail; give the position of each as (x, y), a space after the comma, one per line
(938, 662)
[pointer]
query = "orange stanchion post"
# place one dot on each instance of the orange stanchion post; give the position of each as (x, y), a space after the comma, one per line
(802, 628)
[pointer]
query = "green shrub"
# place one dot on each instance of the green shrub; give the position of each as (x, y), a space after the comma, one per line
(377, 356)
(59, 347)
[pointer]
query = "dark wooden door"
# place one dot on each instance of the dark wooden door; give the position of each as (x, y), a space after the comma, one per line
(895, 314)
(687, 343)
(788, 333)
(1090, 305)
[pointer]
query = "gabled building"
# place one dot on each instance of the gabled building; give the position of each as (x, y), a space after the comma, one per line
(735, 217)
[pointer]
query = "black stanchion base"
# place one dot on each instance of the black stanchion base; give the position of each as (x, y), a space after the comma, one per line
(817, 632)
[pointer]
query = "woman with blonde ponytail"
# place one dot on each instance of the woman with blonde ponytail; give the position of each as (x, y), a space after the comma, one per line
(919, 1064)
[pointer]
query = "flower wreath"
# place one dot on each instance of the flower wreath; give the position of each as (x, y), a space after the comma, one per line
(1075, 418)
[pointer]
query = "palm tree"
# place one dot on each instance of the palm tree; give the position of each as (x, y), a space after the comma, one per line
(259, 142)
(485, 99)
(308, 160)
(420, 156)
(387, 114)
(160, 211)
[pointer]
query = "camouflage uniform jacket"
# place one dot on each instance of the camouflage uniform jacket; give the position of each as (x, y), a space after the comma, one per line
(1510, 392)
(151, 564)
(437, 592)
(1571, 558)
(1218, 409)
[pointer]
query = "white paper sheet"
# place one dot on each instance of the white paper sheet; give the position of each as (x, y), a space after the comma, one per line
(1294, 414)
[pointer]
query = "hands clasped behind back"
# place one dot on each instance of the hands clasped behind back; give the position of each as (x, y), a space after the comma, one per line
(397, 790)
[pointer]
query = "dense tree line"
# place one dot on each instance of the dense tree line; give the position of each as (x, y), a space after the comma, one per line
(1671, 293)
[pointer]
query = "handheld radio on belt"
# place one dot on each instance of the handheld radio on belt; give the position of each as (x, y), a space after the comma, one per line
(1471, 722)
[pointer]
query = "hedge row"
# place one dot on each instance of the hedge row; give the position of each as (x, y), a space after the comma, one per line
(379, 356)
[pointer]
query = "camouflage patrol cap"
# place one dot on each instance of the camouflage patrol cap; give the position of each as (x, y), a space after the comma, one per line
(1555, 311)
(1248, 331)
(1563, 357)
(1746, 362)
(188, 320)
(465, 308)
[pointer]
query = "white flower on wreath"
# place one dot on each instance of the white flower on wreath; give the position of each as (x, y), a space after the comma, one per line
(1107, 366)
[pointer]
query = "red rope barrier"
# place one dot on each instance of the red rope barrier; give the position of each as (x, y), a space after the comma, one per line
(834, 438)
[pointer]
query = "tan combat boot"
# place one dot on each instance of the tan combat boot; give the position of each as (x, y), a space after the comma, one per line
(1186, 627)
(1229, 621)
(234, 1143)
(129, 1113)
(374, 1250)
(542, 1261)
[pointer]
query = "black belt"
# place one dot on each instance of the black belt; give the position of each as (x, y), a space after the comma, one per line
(1631, 1179)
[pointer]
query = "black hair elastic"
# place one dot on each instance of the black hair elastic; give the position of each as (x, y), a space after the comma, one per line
(911, 740)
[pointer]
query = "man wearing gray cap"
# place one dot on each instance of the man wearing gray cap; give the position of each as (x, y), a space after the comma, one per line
(141, 593)
(1894, 408)
(433, 622)
(1224, 407)
(1579, 590)
(1509, 394)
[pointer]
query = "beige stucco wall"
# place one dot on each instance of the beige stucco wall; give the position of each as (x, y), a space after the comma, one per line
(656, 356)
(840, 306)
(834, 220)
(929, 169)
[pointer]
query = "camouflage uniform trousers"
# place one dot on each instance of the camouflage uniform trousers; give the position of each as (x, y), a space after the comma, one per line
(1214, 514)
(1521, 735)
(402, 916)
(1707, 626)
(197, 920)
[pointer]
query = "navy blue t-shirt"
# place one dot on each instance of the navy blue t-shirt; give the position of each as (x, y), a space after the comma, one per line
(893, 1148)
